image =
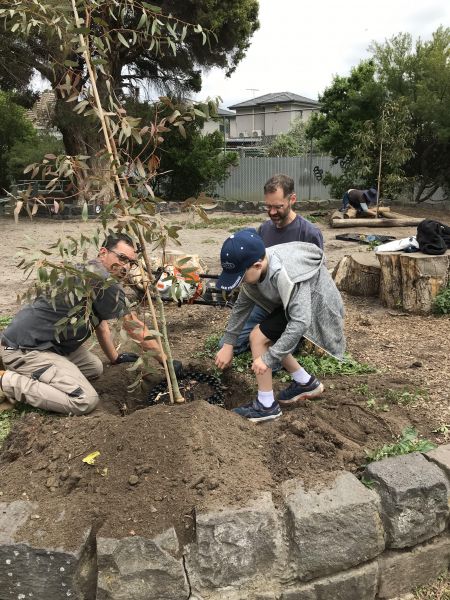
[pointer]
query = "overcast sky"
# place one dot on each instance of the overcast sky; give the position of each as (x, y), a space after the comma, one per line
(300, 46)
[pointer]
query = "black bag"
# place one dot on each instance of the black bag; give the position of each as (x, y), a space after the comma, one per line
(433, 237)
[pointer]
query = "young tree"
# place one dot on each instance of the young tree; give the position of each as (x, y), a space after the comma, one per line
(92, 46)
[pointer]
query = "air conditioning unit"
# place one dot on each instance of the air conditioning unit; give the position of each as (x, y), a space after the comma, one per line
(257, 133)
(243, 134)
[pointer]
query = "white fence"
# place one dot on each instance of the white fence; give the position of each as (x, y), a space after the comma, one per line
(246, 181)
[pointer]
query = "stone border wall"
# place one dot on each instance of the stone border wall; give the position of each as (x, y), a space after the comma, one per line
(348, 541)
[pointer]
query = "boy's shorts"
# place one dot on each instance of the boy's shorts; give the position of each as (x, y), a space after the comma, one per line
(274, 324)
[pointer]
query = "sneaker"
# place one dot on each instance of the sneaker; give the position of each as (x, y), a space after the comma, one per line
(255, 411)
(297, 391)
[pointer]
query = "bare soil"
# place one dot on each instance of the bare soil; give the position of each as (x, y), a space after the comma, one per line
(158, 463)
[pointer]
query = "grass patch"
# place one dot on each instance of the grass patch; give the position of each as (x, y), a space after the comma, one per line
(227, 223)
(408, 442)
(5, 321)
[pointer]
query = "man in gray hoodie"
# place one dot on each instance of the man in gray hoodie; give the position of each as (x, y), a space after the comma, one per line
(291, 282)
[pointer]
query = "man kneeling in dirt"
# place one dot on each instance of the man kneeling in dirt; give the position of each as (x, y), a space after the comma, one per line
(51, 371)
(291, 282)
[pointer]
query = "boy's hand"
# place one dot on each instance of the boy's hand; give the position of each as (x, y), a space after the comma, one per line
(259, 367)
(224, 357)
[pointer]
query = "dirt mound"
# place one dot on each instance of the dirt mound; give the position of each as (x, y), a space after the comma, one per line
(154, 467)
(157, 464)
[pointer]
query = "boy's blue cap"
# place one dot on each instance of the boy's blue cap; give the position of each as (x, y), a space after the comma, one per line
(239, 252)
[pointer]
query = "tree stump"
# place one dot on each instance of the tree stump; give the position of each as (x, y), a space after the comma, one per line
(358, 274)
(411, 281)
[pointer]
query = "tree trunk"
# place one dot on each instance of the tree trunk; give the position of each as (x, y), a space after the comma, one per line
(358, 274)
(411, 281)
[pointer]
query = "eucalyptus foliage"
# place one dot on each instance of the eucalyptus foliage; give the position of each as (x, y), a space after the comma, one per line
(86, 35)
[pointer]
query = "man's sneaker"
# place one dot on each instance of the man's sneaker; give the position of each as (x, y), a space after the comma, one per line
(255, 411)
(297, 391)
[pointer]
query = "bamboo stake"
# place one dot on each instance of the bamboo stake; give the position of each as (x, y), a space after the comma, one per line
(114, 161)
(379, 165)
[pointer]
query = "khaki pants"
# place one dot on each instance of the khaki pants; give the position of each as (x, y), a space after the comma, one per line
(50, 381)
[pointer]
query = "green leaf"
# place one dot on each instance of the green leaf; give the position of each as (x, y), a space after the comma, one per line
(152, 7)
(84, 212)
(122, 39)
(142, 21)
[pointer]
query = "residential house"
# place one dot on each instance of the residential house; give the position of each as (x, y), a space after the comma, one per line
(226, 121)
(267, 116)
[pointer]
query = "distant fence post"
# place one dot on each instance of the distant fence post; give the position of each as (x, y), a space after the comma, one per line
(310, 170)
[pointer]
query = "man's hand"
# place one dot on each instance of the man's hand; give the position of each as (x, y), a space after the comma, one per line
(224, 357)
(126, 357)
(259, 367)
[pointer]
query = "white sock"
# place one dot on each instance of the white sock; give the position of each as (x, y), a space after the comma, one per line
(301, 376)
(266, 398)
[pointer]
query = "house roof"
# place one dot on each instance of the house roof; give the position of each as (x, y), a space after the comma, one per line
(223, 112)
(277, 98)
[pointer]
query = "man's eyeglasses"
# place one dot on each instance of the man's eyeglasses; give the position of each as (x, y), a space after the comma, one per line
(270, 207)
(124, 259)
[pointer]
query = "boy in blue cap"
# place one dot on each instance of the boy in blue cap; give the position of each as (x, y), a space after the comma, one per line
(291, 282)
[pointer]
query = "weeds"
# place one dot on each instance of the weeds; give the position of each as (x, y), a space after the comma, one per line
(369, 483)
(241, 362)
(6, 420)
(371, 400)
(444, 431)
(4, 321)
(404, 397)
(401, 397)
(316, 365)
(327, 365)
(409, 441)
(438, 590)
(442, 301)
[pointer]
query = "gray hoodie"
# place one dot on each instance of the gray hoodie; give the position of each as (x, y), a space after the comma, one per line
(298, 280)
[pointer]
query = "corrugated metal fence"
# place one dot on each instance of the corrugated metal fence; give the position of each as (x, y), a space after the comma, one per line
(246, 181)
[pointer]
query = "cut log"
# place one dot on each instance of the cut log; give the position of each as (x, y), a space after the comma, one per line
(411, 281)
(358, 274)
(393, 215)
(336, 215)
(382, 222)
